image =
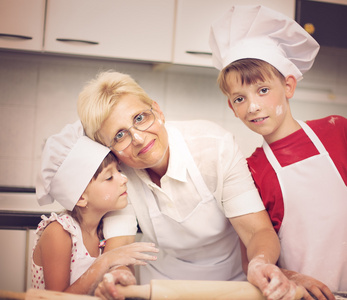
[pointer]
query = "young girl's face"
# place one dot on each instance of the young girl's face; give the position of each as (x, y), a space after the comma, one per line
(108, 191)
(263, 106)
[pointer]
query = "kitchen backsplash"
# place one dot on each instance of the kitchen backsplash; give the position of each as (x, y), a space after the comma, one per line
(38, 95)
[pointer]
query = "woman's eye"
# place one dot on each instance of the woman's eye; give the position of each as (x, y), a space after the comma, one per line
(109, 178)
(264, 91)
(139, 118)
(119, 136)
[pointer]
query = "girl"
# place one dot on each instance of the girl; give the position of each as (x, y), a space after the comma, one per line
(83, 177)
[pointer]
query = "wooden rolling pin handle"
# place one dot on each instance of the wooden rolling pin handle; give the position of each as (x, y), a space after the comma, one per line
(8, 295)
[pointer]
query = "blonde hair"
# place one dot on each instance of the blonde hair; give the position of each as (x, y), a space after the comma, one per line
(250, 71)
(98, 97)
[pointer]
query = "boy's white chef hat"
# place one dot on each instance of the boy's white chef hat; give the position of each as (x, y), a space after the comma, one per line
(255, 31)
(68, 163)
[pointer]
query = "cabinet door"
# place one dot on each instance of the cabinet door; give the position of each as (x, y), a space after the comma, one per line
(194, 19)
(21, 24)
(128, 29)
(13, 260)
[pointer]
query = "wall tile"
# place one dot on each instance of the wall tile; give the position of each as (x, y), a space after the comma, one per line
(39, 96)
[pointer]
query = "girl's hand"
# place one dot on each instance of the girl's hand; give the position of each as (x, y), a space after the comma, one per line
(270, 280)
(107, 290)
(131, 254)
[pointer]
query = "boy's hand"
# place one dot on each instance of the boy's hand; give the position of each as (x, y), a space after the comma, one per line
(270, 280)
(314, 288)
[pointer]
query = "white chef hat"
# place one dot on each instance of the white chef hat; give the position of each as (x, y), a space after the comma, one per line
(255, 31)
(68, 163)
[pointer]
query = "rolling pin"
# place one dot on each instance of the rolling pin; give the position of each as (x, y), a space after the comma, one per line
(195, 289)
(161, 290)
(35, 294)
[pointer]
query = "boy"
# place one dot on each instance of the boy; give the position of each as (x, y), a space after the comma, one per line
(301, 170)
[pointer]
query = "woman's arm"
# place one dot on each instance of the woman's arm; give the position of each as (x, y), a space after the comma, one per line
(263, 249)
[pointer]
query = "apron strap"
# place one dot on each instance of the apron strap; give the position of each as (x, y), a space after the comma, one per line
(310, 133)
(313, 137)
(194, 172)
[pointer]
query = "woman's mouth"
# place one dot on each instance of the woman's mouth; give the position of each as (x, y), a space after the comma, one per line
(147, 147)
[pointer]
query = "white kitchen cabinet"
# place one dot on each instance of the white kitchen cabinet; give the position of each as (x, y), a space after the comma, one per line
(13, 260)
(22, 24)
(194, 19)
(126, 29)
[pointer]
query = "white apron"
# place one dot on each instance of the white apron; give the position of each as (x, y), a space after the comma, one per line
(205, 233)
(313, 233)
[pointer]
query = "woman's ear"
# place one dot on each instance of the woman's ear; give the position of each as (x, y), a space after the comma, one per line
(156, 107)
(290, 86)
(82, 202)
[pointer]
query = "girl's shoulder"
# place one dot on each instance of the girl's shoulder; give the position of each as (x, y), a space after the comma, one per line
(62, 222)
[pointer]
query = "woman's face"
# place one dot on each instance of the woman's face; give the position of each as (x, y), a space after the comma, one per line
(149, 149)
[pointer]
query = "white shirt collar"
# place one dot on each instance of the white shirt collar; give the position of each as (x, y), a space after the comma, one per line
(177, 168)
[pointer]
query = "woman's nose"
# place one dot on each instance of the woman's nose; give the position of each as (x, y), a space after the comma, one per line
(137, 138)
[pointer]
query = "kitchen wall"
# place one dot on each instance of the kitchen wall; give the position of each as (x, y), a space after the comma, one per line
(39, 92)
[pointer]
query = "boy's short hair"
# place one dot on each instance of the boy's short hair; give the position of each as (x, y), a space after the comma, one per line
(98, 97)
(250, 71)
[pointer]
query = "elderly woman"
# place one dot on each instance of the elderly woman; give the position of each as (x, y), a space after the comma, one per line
(189, 190)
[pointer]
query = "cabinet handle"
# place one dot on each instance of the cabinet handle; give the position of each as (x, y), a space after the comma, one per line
(199, 53)
(16, 36)
(78, 41)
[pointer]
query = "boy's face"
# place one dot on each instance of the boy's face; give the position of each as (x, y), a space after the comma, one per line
(263, 106)
(108, 191)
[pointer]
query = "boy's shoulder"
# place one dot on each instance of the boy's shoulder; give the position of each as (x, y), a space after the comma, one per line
(331, 121)
(329, 127)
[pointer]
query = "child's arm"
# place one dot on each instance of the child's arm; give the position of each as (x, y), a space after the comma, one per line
(119, 258)
(55, 253)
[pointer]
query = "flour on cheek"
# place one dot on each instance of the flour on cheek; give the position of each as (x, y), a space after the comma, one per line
(279, 110)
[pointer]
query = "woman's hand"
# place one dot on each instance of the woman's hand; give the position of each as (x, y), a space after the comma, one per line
(130, 254)
(314, 288)
(107, 290)
(270, 280)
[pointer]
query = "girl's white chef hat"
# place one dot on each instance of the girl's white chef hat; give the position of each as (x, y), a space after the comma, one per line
(255, 31)
(68, 163)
